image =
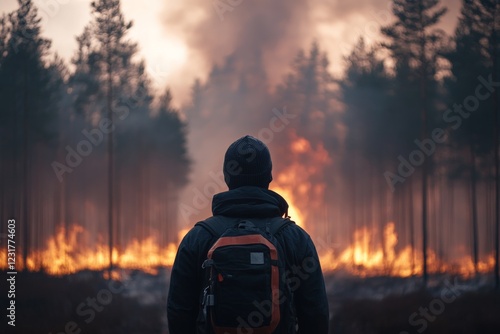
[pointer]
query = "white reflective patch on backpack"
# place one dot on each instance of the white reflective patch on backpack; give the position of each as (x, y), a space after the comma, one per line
(256, 258)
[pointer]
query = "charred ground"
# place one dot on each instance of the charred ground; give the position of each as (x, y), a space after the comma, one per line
(87, 303)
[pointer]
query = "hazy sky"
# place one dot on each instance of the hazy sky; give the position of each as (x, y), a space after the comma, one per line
(181, 40)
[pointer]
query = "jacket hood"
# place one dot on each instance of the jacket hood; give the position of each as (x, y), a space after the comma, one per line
(249, 202)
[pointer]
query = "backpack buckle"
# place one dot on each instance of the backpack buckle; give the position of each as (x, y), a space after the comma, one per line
(207, 263)
(208, 299)
(245, 224)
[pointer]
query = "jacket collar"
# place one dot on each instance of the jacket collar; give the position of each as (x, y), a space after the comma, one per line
(249, 201)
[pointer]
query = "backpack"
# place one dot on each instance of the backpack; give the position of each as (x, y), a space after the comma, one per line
(243, 269)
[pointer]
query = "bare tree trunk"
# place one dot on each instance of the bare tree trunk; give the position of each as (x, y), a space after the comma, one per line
(66, 193)
(473, 192)
(354, 216)
(425, 166)
(26, 217)
(423, 113)
(147, 199)
(496, 147)
(490, 224)
(110, 164)
(497, 165)
(37, 205)
(165, 222)
(412, 228)
(118, 206)
(451, 214)
(497, 200)
(440, 218)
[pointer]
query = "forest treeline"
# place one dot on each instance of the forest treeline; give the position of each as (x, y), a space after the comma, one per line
(90, 145)
(411, 127)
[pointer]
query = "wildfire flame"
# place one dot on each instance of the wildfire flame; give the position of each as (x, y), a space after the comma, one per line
(294, 181)
(64, 253)
(365, 258)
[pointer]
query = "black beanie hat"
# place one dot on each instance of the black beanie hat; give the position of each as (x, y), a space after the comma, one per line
(247, 163)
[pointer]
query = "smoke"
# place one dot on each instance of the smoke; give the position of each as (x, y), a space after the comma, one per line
(241, 51)
(214, 29)
(246, 49)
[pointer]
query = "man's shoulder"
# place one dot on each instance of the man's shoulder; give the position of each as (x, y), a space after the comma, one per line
(212, 226)
(196, 235)
(293, 229)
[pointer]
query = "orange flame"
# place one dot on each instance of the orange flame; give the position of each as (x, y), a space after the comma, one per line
(364, 259)
(294, 182)
(65, 256)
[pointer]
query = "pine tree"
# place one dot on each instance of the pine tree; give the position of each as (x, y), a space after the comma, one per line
(475, 54)
(489, 11)
(171, 130)
(365, 91)
(370, 139)
(415, 46)
(308, 91)
(103, 81)
(27, 106)
(108, 83)
(4, 36)
(469, 62)
(85, 80)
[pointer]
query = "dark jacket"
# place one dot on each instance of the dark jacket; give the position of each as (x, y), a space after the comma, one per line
(187, 278)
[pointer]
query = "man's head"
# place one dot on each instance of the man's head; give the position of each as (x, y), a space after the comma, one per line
(247, 163)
